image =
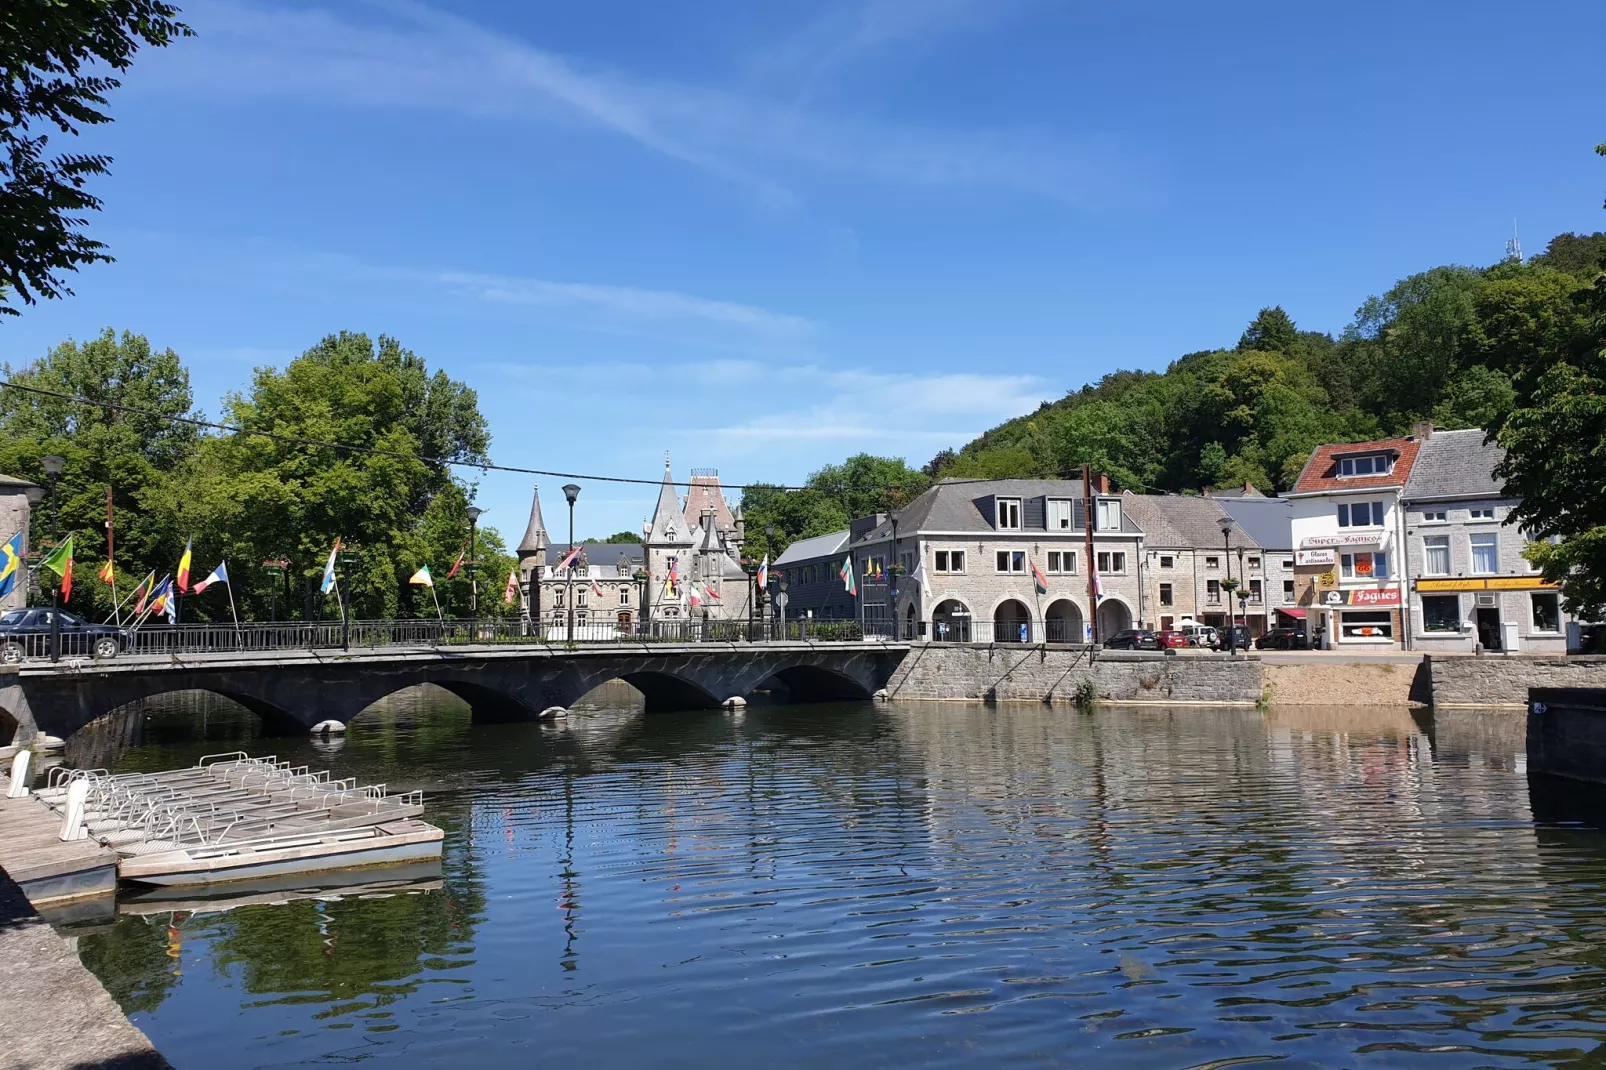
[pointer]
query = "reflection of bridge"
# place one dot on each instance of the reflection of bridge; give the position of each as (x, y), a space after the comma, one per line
(294, 690)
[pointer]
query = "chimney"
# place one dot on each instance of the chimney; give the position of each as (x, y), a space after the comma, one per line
(1101, 483)
(1422, 430)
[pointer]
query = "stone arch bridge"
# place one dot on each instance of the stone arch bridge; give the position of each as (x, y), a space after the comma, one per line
(295, 690)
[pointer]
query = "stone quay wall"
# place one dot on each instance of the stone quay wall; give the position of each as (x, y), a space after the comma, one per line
(1007, 672)
(1567, 733)
(1503, 681)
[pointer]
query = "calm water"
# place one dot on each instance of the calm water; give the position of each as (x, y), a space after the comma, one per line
(903, 886)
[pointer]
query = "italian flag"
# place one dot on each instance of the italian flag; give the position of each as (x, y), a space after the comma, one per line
(848, 583)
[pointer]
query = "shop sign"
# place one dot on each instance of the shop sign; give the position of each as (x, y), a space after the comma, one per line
(1497, 583)
(1315, 557)
(1364, 597)
(1374, 539)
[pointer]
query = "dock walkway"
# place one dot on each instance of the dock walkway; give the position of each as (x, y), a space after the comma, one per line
(47, 870)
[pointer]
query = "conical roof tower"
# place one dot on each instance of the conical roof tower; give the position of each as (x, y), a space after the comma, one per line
(669, 527)
(534, 543)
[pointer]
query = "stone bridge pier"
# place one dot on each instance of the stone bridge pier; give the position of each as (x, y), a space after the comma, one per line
(294, 690)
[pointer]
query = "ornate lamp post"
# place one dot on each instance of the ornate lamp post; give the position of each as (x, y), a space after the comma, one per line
(1228, 585)
(53, 466)
(474, 514)
(571, 492)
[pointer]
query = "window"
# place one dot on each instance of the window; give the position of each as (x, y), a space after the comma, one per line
(557, 596)
(1165, 595)
(624, 596)
(1485, 553)
(1374, 464)
(1108, 515)
(1288, 592)
(1254, 562)
(1435, 516)
(1435, 555)
(1167, 561)
(1374, 566)
(1481, 514)
(580, 597)
(1441, 613)
(1366, 625)
(1212, 562)
(1011, 560)
(1112, 561)
(1288, 563)
(1059, 514)
(1061, 561)
(1361, 515)
(1009, 513)
(1213, 592)
(1547, 611)
(1254, 591)
(950, 561)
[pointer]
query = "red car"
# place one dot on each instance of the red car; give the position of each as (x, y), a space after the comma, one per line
(1172, 639)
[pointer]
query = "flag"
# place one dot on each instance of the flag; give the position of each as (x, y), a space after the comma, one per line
(143, 591)
(422, 578)
(919, 574)
(60, 562)
(452, 572)
(764, 571)
(162, 601)
(596, 588)
(713, 595)
(182, 576)
(696, 599)
(1038, 579)
(217, 575)
(569, 560)
(1098, 581)
(10, 564)
(846, 573)
(328, 582)
(511, 592)
(672, 581)
(106, 574)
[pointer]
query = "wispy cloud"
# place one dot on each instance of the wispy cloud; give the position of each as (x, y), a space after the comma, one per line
(407, 55)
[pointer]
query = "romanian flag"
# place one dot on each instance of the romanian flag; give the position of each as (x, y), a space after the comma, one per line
(182, 577)
(143, 591)
(848, 583)
(1039, 580)
(10, 563)
(60, 562)
(511, 591)
(451, 573)
(217, 575)
(328, 582)
(422, 578)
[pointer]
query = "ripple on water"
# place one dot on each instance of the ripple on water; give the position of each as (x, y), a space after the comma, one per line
(936, 885)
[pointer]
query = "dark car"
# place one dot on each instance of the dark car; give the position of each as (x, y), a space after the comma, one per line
(1133, 639)
(1283, 639)
(25, 633)
(1234, 636)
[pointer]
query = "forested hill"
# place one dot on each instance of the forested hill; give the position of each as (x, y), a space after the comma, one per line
(1444, 345)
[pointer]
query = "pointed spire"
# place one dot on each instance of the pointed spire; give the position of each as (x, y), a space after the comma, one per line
(534, 541)
(669, 527)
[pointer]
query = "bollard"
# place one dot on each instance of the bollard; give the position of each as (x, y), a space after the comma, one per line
(72, 819)
(21, 775)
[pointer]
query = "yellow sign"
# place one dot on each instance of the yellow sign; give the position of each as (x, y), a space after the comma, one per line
(1497, 583)
(1327, 579)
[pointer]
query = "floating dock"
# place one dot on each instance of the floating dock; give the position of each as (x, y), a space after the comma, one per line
(50, 871)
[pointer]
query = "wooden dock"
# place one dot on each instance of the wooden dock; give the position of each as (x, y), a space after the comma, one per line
(48, 871)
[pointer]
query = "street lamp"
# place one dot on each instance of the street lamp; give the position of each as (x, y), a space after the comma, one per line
(35, 494)
(1227, 586)
(571, 492)
(53, 466)
(474, 514)
(892, 581)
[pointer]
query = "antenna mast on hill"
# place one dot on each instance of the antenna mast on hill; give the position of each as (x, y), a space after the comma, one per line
(1514, 245)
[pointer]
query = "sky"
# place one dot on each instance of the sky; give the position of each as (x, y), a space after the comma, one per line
(765, 236)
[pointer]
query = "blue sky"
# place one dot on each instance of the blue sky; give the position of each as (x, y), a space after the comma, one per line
(765, 236)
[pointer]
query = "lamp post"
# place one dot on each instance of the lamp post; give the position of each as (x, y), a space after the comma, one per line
(571, 492)
(53, 466)
(474, 514)
(892, 578)
(769, 544)
(1227, 585)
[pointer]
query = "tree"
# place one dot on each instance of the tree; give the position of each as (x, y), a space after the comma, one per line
(622, 538)
(48, 51)
(1271, 331)
(1582, 255)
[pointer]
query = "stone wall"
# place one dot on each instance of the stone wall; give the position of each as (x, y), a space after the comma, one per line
(1045, 674)
(14, 518)
(1567, 733)
(1495, 680)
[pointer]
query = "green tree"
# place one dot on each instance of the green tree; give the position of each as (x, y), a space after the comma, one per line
(54, 59)
(1477, 397)
(623, 538)
(1581, 255)
(1271, 331)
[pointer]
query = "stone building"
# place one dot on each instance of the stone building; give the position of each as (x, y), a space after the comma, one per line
(1469, 585)
(1185, 560)
(603, 582)
(693, 553)
(14, 517)
(966, 551)
(809, 571)
(1268, 522)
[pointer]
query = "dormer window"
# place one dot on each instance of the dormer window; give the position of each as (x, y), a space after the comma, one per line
(1367, 464)
(1059, 514)
(1108, 514)
(1008, 514)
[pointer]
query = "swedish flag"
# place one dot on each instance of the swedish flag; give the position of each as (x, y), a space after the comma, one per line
(10, 564)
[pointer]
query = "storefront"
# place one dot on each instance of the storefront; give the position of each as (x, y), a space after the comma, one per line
(1494, 613)
(1362, 615)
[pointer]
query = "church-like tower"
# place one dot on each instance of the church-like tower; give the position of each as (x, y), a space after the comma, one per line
(667, 550)
(532, 558)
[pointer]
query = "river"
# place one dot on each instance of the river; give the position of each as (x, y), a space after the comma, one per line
(904, 885)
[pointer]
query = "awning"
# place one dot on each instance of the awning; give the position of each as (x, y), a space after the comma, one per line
(1293, 614)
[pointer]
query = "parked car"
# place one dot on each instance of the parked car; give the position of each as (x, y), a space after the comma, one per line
(1173, 638)
(1233, 637)
(1133, 639)
(1283, 639)
(1198, 634)
(26, 633)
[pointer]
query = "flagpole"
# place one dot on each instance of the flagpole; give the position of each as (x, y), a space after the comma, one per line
(438, 614)
(124, 601)
(111, 566)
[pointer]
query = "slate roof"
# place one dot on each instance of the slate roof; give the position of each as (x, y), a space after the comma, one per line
(667, 515)
(1248, 490)
(1269, 521)
(1321, 471)
(809, 549)
(599, 554)
(535, 539)
(1455, 464)
(1182, 521)
(954, 505)
(705, 493)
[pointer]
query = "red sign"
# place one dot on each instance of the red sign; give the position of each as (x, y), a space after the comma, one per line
(1372, 596)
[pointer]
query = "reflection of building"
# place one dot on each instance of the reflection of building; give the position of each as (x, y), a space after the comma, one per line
(14, 513)
(603, 579)
(1469, 583)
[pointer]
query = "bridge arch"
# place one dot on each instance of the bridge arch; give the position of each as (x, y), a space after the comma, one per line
(665, 691)
(815, 683)
(487, 705)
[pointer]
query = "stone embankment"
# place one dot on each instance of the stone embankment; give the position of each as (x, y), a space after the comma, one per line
(1495, 681)
(1008, 672)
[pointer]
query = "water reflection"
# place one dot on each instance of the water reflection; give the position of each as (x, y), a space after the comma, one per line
(1163, 887)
